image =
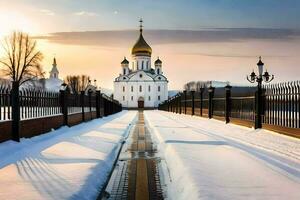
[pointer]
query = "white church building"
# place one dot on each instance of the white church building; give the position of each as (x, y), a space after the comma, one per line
(139, 85)
(53, 83)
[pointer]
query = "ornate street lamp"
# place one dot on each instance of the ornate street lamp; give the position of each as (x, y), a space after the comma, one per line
(266, 77)
(261, 77)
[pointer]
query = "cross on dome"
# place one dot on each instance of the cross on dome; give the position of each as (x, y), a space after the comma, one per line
(141, 25)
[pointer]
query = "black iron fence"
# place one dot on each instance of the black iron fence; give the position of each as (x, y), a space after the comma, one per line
(30, 104)
(5, 103)
(280, 104)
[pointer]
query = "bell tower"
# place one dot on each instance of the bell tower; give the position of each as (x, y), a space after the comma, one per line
(54, 71)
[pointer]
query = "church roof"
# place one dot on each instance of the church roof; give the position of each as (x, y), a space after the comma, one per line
(149, 73)
(125, 61)
(158, 61)
(141, 47)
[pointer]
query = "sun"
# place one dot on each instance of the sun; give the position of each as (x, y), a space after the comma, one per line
(11, 21)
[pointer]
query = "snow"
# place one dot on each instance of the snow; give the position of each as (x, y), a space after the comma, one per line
(68, 163)
(206, 159)
(53, 84)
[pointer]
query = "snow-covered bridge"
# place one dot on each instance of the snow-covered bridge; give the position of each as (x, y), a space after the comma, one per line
(198, 159)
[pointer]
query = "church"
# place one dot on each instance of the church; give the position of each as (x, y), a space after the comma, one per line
(53, 83)
(139, 85)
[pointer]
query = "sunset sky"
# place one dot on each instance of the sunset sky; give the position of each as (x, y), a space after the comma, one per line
(195, 39)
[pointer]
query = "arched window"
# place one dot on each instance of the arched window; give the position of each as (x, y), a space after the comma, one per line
(124, 71)
(149, 98)
(147, 66)
(131, 88)
(141, 88)
(158, 88)
(131, 98)
(158, 98)
(142, 64)
(149, 88)
(158, 71)
(123, 88)
(137, 64)
(123, 98)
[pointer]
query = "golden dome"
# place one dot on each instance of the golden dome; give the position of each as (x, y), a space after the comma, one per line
(141, 48)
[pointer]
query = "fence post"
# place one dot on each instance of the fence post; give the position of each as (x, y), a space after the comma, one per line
(193, 102)
(179, 101)
(101, 100)
(184, 92)
(227, 103)
(90, 102)
(258, 106)
(98, 93)
(82, 104)
(210, 101)
(64, 105)
(15, 104)
(201, 101)
(176, 104)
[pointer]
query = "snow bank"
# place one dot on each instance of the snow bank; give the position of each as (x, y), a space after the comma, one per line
(207, 159)
(69, 163)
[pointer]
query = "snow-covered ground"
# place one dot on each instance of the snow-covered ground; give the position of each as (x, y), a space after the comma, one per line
(69, 163)
(206, 159)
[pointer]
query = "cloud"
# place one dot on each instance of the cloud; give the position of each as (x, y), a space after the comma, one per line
(47, 12)
(85, 13)
(123, 38)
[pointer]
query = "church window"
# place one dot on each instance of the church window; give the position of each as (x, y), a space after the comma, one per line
(159, 78)
(149, 98)
(149, 88)
(124, 71)
(124, 78)
(141, 75)
(131, 98)
(142, 64)
(158, 97)
(147, 64)
(131, 88)
(123, 98)
(141, 88)
(123, 88)
(158, 71)
(158, 88)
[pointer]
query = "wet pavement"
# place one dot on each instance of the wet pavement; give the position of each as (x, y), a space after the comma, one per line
(136, 175)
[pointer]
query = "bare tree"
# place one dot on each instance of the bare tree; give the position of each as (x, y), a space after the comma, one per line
(190, 86)
(22, 60)
(78, 83)
(84, 81)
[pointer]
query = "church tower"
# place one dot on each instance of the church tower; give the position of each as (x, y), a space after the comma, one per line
(141, 53)
(158, 66)
(54, 71)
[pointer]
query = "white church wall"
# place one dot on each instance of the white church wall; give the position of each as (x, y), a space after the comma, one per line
(129, 98)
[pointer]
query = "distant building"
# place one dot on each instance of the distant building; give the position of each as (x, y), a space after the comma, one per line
(53, 83)
(141, 85)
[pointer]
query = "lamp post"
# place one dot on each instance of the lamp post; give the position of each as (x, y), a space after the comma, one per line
(260, 78)
(211, 91)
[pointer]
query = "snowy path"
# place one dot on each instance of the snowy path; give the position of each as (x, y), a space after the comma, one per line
(69, 163)
(207, 159)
